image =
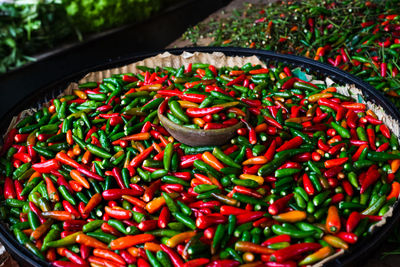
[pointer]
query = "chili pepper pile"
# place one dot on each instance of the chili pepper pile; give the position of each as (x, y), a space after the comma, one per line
(360, 37)
(211, 108)
(95, 179)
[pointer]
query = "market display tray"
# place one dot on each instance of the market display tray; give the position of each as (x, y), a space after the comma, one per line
(354, 256)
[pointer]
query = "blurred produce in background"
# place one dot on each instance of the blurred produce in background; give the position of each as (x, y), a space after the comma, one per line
(31, 27)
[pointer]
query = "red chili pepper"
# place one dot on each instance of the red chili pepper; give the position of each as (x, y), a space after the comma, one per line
(307, 184)
(46, 166)
(273, 122)
(118, 177)
(206, 221)
(70, 208)
(330, 163)
(223, 263)
(201, 112)
(371, 176)
(371, 138)
(290, 144)
(252, 132)
(119, 214)
(347, 237)
(148, 225)
(18, 189)
(212, 125)
(372, 120)
(237, 80)
(292, 251)
(329, 103)
(164, 217)
(249, 216)
(247, 191)
(150, 190)
(372, 218)
(112, 194)
(175, 258)
(169, 92)
(128, 258)
(280, 204)
(37, 211)
(334, 150)
(276, 239)
(384, 130)
(9, 191)
(289, 84)
(323, 146)
(255, 103)
(73, 225)
(85, 251)
(333, 172)
(141, 157)
(196, 98)
(383, 147)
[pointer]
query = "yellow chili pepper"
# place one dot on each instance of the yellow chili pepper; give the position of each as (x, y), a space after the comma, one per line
(258, 179)
(291, 216)
(179, 238)
(317, 256)
(335, 242)
(187, 104)
(80, 94)
(316, 97)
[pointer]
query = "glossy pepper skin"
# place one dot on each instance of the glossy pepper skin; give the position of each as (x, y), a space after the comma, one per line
(109, 185)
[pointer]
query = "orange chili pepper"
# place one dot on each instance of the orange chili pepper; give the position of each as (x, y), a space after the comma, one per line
(135, 201)
(97, 261)
(80, 94)
(329, 89)
(51, 190)
(86, 157)
(316, 97)
(202, 178)
(291, 216)
(335, 242)
(76, 150)
(134, 251)
(358, 106)
(255, 160)
(136, 137)
(130, 240)
(59, 215)
(179, 238)
(109, 255)
(155, 204)
(258, 179)
(261, 128)
(282, 75)
(70, 141)
(209, 158)
(41, 230)
(395, 192)
(93, 202)
(75, 175)
(251, 247)
(333, 224)
(90, 241)
(236, 72)
(237, 111)
(152, 246)
(259, 71)
(199, 121)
